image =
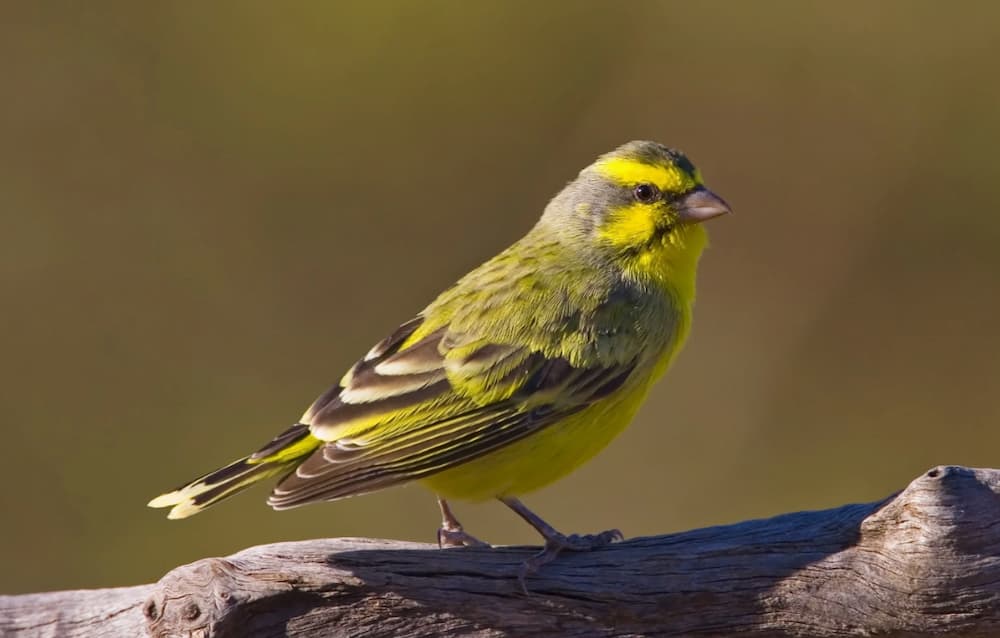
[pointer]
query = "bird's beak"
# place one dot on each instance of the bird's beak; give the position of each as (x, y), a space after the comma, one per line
(700, 205)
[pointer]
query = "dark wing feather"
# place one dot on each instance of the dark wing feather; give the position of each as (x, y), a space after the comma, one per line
(399, 415)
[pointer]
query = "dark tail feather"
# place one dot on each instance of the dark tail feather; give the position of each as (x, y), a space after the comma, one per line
(276, 458)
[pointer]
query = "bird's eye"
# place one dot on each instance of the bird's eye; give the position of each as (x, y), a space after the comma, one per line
(646, 193)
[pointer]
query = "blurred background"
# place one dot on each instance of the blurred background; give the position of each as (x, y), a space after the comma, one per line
(209, 210)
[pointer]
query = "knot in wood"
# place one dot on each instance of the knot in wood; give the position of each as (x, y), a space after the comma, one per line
(946, 507)
(194, 599)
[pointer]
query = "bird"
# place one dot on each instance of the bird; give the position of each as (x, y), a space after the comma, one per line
(518, 373)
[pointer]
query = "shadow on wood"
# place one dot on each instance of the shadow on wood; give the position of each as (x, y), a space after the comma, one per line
(923, 562)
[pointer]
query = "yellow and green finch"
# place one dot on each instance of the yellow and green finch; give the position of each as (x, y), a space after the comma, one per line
(518, 373)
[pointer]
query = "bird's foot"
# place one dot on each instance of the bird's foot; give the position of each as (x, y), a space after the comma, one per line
(556, 543)
(451, 534)
(458, 537)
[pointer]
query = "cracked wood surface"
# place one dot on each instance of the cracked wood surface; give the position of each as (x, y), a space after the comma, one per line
(924, 562)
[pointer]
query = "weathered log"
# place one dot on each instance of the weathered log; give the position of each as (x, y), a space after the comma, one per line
(924, 562)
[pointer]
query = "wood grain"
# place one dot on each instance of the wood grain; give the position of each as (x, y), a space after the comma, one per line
(924, 562)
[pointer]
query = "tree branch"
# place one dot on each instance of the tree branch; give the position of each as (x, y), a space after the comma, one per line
(923, 562)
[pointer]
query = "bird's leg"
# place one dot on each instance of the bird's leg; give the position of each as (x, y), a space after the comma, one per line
(451, 534)
(555, 542)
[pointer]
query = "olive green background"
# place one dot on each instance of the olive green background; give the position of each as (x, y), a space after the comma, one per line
(209, 210)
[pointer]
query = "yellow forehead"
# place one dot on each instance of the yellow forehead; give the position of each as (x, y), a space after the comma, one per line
(629, 172)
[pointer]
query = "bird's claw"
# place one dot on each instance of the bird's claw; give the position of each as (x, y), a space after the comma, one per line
(587, 542)
(458, 537)
(556, 543)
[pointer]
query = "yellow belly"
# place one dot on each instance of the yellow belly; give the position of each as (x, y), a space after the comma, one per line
(543, 457)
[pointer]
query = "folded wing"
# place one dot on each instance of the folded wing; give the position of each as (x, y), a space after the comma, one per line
(421, 402)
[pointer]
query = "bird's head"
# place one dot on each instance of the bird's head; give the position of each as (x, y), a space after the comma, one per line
(640, 206)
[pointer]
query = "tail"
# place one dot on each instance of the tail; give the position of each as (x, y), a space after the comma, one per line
(278, 457)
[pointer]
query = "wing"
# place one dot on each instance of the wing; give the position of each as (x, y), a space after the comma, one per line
(424, 400)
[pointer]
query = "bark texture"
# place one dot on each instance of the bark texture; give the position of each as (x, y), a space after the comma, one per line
(923, 562)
